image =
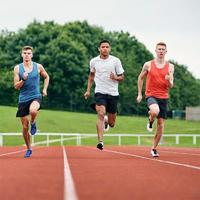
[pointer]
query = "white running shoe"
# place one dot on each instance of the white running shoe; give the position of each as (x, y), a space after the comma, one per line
(154, 153)
(106, 125)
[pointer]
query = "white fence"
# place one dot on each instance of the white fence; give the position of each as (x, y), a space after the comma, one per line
(79, 136)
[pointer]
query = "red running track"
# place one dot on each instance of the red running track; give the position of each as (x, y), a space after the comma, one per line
(126, 172)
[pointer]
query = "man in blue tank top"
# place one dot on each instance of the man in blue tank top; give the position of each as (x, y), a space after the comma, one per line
(27, 81)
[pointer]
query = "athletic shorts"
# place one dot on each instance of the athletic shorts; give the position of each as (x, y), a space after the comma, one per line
(162, 103)
(23, 108)
(109, 101)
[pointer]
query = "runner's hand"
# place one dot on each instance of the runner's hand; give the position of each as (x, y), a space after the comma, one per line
(87, 94)
(112, 76)
(44, 93)
(25, 75)
(169, 76)
(139, 98)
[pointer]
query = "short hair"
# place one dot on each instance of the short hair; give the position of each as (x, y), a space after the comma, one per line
(27, 48)
(161, 44)
(104, 41)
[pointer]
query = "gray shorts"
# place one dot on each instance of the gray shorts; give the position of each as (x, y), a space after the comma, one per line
(162, 104)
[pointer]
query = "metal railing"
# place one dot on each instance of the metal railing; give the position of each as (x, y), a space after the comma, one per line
(79, 136)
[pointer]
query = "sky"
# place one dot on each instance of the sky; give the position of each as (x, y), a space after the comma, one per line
(175, 22)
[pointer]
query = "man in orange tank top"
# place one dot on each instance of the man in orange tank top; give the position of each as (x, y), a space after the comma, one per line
(159, 79)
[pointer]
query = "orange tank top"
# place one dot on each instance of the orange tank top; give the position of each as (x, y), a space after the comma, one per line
(156, 84)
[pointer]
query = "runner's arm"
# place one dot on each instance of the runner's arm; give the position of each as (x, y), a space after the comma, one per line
(141, 77)
(45, 75)
(171, 75)
(17, 82)
(89, 85)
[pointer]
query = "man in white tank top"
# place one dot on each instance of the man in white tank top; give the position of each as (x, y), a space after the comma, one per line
(106, 71)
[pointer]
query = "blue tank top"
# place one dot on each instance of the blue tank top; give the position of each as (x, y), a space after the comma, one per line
(31, 88)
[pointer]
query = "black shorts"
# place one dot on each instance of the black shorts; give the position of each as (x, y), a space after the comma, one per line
(162, 103)
(23, 108)
(109, 101)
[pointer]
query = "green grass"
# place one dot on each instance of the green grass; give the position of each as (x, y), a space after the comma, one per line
(71, 122)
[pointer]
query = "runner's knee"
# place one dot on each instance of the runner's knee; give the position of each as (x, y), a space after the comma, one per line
(154, 113)
(101, 115)
(33, 111)
(154, 110)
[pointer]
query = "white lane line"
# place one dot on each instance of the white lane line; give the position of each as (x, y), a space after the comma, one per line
(69, 189)
(13, 152)
(174, 152)
(154, 159)
(183, 153)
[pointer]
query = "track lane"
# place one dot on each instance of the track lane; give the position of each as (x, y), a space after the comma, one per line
(185, 156)
(107, 175)
(39, 177)
(99, 174)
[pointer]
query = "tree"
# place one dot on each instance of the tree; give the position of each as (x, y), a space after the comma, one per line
(65, 51)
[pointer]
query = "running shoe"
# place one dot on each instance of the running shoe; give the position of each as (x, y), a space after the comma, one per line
(100, 145)
(28, 153)
(106, 125)
(154, 153)
(33, 128)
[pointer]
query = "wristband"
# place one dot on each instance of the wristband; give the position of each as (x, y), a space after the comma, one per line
(23, 79)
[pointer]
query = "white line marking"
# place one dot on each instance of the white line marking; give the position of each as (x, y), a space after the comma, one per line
(154, 159)
(184, 153)
(69, 189)
(174, 152)
(10, 153)
(15, 152)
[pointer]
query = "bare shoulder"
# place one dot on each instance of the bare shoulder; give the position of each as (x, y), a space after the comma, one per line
(147, 66)
(40, 66)
(16, 68)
